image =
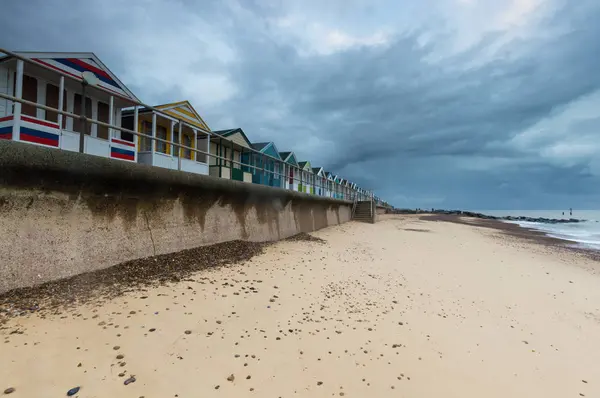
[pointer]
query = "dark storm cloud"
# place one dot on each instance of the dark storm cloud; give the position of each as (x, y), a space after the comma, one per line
(422, 125)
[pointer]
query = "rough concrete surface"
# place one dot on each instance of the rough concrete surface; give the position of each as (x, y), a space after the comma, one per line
(64, 213)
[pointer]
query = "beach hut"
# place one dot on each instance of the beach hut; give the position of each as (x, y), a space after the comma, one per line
(174, 123)
(320, 181)
(328, 184)
(306, 177)
(337, 187)
(229, 144)
(290, 170)
(43, 82)
(267, 164)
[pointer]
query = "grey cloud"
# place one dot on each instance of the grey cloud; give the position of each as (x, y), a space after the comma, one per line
(397, 118)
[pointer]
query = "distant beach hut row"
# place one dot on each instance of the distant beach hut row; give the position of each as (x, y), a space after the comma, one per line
(59, 88)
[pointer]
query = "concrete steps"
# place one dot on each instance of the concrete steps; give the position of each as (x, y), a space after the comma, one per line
(363, 212)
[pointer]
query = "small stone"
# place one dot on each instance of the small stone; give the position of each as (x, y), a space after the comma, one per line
(73, 391)
(79, 365)
(121, 374)
(319, 383)
(151, 329)
(248, 377)
(231, 377)
(116, 347)
(9, 390)
(219, 322)
(188, 332)
(217, 387)
(120, 356)
(130, 380)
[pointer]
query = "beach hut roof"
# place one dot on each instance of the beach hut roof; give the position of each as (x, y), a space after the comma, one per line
(267, 148)
(289, 157)
(231, 132)
(305, 165)
(181, 110)
(74, 63)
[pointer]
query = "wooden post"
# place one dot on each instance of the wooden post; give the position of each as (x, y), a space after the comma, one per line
(16, 132)
(135, 128)
(153, 143)
(220, 153)
(171, 151)
(179, 151)
(193, 154)
(111, 117)
(61, 101)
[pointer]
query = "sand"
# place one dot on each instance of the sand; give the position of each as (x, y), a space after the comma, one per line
(403, 308)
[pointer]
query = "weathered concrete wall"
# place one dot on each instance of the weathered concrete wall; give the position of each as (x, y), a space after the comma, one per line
(379, 211)
(64, 213)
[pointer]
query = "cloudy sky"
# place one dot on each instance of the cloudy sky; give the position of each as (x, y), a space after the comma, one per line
(473, 104)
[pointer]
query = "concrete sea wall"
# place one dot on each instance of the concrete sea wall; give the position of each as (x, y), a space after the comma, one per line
(64, 213)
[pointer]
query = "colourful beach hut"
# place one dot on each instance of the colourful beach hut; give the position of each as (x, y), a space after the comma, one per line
(290, 170)
(341, 187)
(174, 123)
(329, 183)
(267, 164)
(231, 145)
(306, 177)
(42, 82)
(320, 181)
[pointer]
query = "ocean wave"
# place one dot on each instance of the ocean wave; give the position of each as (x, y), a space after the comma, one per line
(586, 233)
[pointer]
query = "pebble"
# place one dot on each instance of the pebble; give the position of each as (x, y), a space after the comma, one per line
(73, 391)
(231, 377)
(188, 332)
(120, 356)
(152, 329)
(9, 390)
(129, 381)
(116, 347)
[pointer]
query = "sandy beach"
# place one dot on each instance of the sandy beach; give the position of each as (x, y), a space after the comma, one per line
(404, 308)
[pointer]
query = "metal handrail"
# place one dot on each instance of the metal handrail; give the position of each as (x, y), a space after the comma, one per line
(344, 190)
(354, 204)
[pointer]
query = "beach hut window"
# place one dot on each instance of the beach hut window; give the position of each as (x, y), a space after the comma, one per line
(226, 154)
(187, 141)
(161, 133)
(77, 123)
(146, 143)
(103, 111)
(52, 101)
(29, 94)
(175, 149)
(128, 124)
(237, 158)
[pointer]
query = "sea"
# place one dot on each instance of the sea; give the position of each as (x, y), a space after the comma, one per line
(584, 234)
